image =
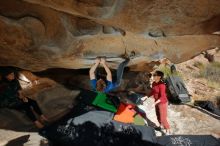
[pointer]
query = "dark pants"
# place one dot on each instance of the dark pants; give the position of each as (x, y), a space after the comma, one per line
(120, 71)
(28, 107)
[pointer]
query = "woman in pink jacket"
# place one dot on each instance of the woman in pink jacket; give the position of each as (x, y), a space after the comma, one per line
(161, 103)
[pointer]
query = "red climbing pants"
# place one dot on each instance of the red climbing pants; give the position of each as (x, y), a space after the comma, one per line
(161, 112)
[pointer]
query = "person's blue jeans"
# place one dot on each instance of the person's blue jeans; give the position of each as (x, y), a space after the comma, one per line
(120, 71)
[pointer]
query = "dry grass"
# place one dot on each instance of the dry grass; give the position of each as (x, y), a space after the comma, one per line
(211, 72)
(199, 65)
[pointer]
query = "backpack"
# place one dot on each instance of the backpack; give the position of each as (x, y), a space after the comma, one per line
(176, 89)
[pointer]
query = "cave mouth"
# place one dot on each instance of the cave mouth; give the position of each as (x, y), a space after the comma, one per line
(77, 78)
(56, 89)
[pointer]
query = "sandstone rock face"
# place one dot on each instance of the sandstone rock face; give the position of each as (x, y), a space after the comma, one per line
(39, 34)
(202, 87)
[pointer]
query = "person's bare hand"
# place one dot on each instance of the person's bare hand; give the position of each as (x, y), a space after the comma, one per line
(144, 98)
(25, 99)
(102, 61)
(97, 60)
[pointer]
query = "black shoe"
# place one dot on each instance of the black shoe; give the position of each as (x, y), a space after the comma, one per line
(158, 128)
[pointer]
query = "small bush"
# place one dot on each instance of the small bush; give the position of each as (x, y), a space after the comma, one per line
(167, 72)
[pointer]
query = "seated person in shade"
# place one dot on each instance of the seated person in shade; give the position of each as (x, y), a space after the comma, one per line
(106, 85)
(12, 97)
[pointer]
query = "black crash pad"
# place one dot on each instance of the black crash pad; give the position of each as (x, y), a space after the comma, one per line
(188, 140)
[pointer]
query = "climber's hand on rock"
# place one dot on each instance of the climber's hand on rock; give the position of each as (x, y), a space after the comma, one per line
(97, 60)
(103, 61)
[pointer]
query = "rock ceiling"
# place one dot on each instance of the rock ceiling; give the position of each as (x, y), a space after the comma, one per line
(42, 34)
